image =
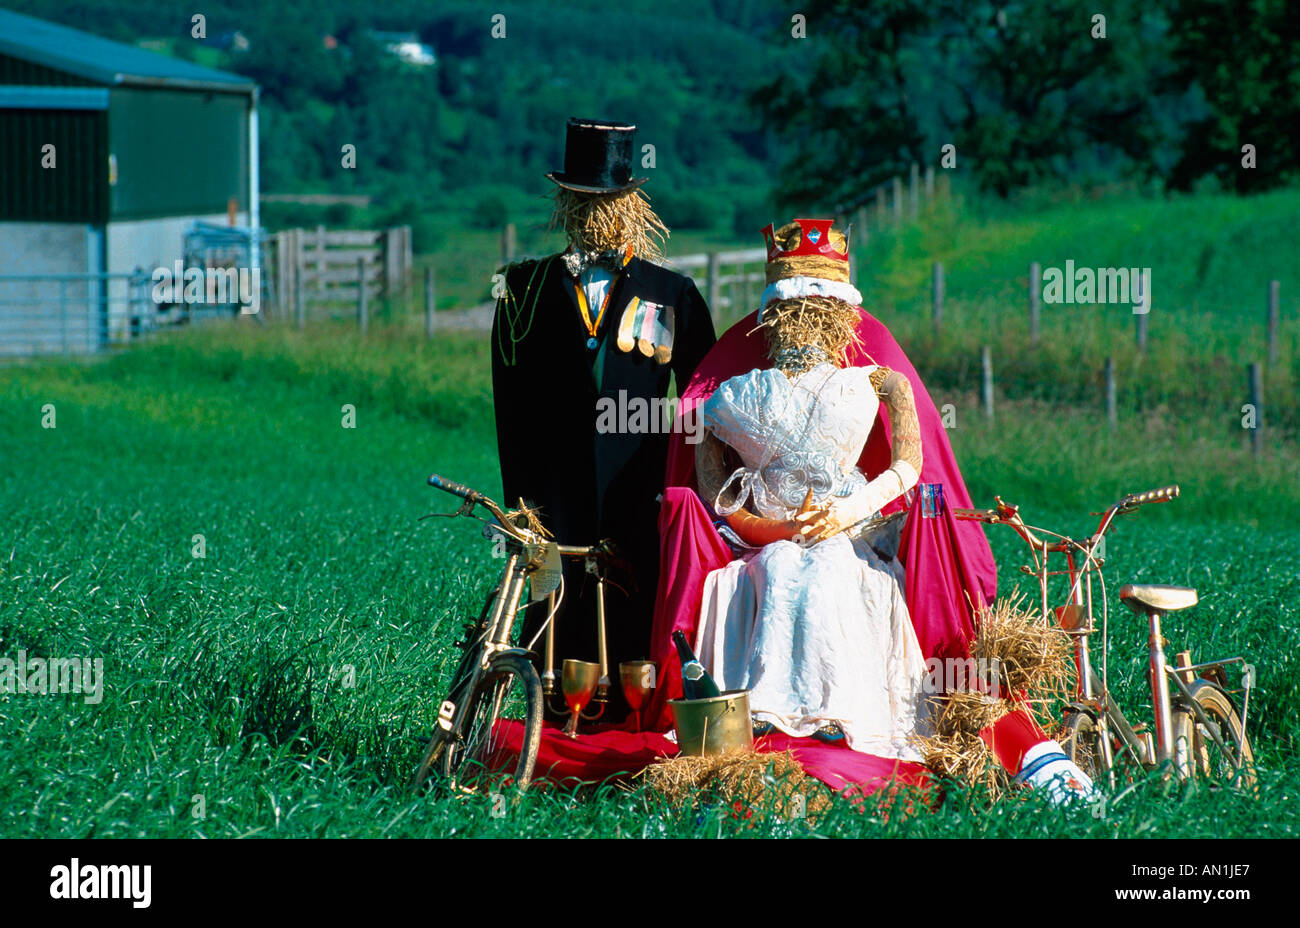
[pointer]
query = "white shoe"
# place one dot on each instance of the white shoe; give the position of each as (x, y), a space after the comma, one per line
(1046, 767)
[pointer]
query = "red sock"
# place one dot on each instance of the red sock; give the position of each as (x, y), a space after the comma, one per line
(1011, 736)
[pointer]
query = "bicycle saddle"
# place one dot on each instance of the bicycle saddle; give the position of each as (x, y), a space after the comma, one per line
(1153, 598)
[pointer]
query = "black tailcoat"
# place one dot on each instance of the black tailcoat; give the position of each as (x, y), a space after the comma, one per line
(590, 483)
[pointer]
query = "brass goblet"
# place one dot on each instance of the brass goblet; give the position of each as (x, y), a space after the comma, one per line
(638, 680)
(578, 679)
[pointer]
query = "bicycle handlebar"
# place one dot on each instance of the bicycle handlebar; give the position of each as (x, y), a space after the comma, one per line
(1008, 515)
(475, 498)
(601, 549)
(457, 489)
(1161, 495)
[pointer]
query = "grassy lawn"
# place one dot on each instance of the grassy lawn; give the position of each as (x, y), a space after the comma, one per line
(227, 676)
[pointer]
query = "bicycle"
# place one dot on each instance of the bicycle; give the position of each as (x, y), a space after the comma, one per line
(496, 680)
(1198, 731)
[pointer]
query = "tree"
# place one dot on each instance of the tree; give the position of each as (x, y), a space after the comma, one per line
(1024, 91)
(1244, 58)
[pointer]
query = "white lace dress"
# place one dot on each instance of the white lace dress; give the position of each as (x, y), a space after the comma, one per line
(817, 633)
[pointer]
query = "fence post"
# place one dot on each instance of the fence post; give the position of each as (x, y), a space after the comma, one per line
(408, 267)
(63, 312)
(299, 298)
(898, 198)
(929, 183)
(936, 296)
(280, 301)
(1112, 413)
(428, 302)
(913, 189)
(986, 381)
(320, 261)
(1142, 331)
(880, 204)
(508, 243)
(1255, 373)
(362, 309)
(715, 282)
(860, 226)
(1035, 291)
(1274, 298)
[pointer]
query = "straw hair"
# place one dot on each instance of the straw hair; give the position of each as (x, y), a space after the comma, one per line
(597, 222)
(752, 780)
(824, 322)
(787, 237)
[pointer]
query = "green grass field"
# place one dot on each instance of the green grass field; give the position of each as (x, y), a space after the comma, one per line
(280, 685)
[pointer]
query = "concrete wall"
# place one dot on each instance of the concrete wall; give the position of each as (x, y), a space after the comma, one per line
(148, 244)
(41, 316)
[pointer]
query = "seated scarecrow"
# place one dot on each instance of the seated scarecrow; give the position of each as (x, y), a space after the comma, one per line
(810, 428)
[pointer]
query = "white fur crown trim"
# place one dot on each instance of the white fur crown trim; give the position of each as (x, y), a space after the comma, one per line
(791, 287)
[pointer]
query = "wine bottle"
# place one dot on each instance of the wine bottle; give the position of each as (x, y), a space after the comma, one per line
(696, 682)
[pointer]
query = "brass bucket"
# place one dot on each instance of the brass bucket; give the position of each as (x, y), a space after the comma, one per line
(715, 725)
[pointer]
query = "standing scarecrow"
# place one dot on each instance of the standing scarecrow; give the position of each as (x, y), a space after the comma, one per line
(579, 338)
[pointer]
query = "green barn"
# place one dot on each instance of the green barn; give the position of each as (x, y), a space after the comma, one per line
(108, 153)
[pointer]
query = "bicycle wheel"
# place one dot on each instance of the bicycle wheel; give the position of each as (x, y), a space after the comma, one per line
(508, 689)
(1081, 742)
(1207, 760)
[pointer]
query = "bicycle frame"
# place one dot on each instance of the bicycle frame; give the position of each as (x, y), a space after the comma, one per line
(592, 556)
(1076, 618)
(525, 553)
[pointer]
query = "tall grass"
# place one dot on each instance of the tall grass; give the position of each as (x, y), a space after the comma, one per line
(280, 685)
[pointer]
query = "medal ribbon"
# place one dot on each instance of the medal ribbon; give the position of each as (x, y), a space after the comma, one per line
(585, 310)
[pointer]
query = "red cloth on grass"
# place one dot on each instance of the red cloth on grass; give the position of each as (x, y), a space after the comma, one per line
(607, 752)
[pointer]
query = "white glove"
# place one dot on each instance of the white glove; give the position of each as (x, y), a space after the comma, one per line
(862, 503)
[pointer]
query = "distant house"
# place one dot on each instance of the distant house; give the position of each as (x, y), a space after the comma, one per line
(228, 40)
(406, 46)
(108, 153)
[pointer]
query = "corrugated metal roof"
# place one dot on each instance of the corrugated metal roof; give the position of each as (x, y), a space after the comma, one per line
(104, 61)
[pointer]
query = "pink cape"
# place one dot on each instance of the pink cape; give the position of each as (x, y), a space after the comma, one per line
(948, 565)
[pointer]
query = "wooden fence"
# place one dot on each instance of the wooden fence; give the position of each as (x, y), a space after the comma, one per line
(731, 281)
(328, 266)
(887, 202)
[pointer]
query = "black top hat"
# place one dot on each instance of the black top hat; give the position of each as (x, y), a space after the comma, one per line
(598, 157)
